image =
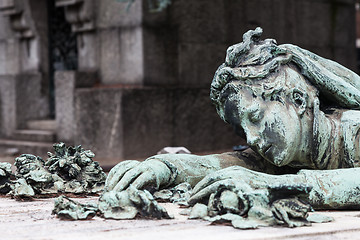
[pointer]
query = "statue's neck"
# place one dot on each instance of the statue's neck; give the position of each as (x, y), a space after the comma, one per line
(327, 150)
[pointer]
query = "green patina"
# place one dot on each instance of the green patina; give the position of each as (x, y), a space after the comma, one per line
(297, 111)
(130, 203)
(67, 170)
(68, 209)
(5, 173)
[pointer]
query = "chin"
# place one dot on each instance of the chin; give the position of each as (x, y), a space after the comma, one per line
(279, 160)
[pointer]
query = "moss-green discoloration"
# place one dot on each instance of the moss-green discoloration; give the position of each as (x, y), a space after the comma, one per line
(297, 111)
(5, 173)
(75, 166)
(319, 218)
(130, 203)
(68, 170)
(179, 194)
(67, 209)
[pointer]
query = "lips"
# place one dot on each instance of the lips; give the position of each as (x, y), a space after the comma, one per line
(267, 153)
(266, 149)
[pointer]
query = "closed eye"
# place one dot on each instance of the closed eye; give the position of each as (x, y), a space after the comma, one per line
(255, 116)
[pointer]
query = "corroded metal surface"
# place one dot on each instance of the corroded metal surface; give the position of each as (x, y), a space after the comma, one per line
(67, 170)
(297, 111)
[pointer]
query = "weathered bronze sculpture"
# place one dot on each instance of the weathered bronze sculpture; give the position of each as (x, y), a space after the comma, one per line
(299, 114)
(67, 170)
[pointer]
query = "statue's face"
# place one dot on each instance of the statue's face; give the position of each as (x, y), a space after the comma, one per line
(274, 129)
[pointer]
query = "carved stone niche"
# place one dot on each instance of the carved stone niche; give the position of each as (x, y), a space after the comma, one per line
(20, 18)
(80, 13)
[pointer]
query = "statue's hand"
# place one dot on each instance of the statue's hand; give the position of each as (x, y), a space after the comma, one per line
(264, 197)
(237, 177)
(150, 175)
(225, 178)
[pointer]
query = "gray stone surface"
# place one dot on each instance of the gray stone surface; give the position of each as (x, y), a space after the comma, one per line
(34, 135)
(130, 123)
(112, 14)
(195, 60)
(161, 55)
(33, 220)
(8, 104)
(22, 99)
(99, 121)
(25, 147)
(5, 31)
(65, 84)
(196, 124)
(9, 57)
(88, 51)
(184, 42)
(31, 100)
(148, 121)
(121, 56)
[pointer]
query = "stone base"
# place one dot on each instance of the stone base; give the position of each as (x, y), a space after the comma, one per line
(135, 122)
(22, 98)
(33, 220)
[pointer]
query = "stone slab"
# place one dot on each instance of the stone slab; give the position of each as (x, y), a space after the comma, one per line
(99, 122)
(112, 14)
(45, 124)
(198, 63)
(161, 55)
(34, 135)
(9, 56)
(7, 104)
(25, 147)
(65, 84)
(31, 99)
(33, 220)
(121, 56)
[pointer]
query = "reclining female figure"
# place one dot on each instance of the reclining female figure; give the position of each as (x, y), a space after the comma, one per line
(299, 114)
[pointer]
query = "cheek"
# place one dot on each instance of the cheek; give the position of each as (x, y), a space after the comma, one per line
(292, 127)
(231, 112)
(280, 127)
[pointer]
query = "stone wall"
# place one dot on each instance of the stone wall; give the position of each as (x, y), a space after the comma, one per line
(185, 43)
(138, 121)
(23, 63)
(120, 42)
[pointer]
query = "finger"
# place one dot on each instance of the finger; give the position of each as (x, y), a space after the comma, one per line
(212, 188)
(212, 178)
(146, 180)
(235, 172)
(117, 172)
(127, 179)
(115, 169)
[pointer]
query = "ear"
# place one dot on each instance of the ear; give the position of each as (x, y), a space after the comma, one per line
(300, 100)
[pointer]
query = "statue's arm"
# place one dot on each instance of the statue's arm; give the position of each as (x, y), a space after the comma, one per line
(192, 168)
(333, 189)
(330, 189)
(166, 170)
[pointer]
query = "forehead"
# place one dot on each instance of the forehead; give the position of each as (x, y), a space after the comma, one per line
(244, 99)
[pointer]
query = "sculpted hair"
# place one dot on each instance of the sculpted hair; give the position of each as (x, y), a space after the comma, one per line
(253, 60)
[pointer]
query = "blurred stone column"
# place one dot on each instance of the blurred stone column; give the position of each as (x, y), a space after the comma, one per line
(65, 84)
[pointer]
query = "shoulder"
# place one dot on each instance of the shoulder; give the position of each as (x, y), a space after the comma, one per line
(350, 126)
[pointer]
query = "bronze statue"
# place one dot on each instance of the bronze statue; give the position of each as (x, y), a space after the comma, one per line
(298, 113)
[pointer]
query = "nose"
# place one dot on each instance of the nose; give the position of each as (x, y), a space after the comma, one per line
(252, 137)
